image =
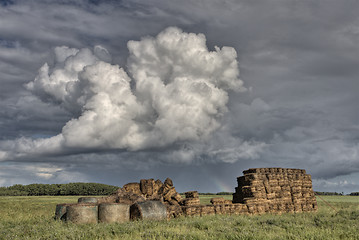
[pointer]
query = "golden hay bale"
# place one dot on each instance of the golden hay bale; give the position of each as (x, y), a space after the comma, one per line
(113, 212)
(149, 210)
(82, 213)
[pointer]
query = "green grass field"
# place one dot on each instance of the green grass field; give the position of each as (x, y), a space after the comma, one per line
(32, 218)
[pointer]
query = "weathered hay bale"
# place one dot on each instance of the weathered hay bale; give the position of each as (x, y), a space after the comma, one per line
(207, 210)
(192, 210)
(113, 212)
(191, 202)
(169, 194)
(147, 186)
(129, 198)
(149, 210)
(177, 197)
(174, 211)
(217, 200)
(87, 200)
(191, 194)
(132, 187)
(82, 213)
(168, 182)
(60, 212)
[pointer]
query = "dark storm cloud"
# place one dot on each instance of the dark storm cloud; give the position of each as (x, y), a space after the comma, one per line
(298, 57)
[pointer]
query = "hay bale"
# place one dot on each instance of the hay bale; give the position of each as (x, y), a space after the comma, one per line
(191, 202)
(132, 187)
(168, 182)
(177, 197)
(168, 195)
(192, 210)
(217, 200)
(147, 187)
(60, 212)
(174, 211)
(87, 200)
(129, 198)
(149, 210)
(207, 210)
(82, 213)
(113, 212)
(191, 194)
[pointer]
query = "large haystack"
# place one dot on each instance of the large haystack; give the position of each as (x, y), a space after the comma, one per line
(275, 190)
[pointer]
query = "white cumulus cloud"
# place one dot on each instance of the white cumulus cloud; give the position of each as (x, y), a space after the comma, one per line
(173, 90)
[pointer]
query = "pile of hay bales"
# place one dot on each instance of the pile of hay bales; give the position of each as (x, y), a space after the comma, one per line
(275, 190)
(146, 189)
(260, 190)
(148, 199)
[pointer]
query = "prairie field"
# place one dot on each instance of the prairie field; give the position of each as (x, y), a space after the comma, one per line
(32, 218)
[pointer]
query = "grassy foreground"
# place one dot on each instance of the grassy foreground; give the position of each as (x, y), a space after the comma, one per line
(32, 218)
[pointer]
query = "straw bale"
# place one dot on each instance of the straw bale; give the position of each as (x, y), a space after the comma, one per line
(147, 186)
(177, 197)
(207, 210)
(217, 200)
(113, 212)
(168, 196)
(192, 210)
(128, 197)
(158, 184)
(190, 202)
(191, 194)
(87, 200)
(174, 211)
(60, 212)
(148, 210)
(132, 187)
(82, 213)
(168, 182)
(251, 208)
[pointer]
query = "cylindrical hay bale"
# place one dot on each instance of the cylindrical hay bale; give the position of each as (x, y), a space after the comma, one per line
(82, 213)
(87, 200)
(113, 212)
(60, 212)
(151, 210)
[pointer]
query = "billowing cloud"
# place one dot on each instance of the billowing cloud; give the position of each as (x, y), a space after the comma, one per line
(175, 90)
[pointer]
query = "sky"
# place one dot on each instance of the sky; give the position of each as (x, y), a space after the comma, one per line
(198, 91)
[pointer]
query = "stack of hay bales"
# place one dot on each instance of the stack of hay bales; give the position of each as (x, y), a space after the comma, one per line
(223, 206)
(275, 190)
(191, 204)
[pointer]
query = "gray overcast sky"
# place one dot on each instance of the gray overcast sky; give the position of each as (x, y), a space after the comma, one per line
(298, 106)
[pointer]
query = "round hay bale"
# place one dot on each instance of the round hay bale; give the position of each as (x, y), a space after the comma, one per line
(87, 200)
(151, 210)
(60, 212)
(113, 212)
(82, 213)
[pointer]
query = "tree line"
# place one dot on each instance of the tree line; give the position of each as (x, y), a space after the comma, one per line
(79, 188)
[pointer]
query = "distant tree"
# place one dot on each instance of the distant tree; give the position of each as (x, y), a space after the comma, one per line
(329, 193)
(58, 189)
(225, 193)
